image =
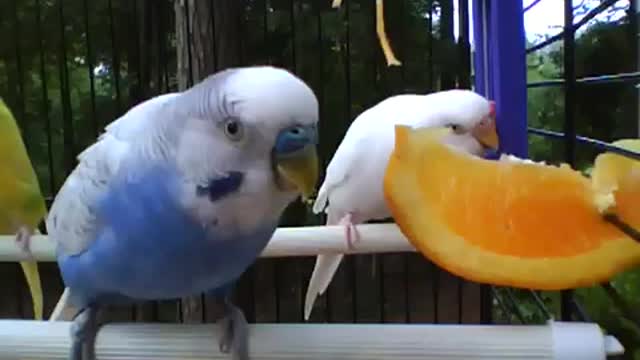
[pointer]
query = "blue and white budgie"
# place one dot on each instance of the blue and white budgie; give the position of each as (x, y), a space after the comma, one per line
(353, 185)
(182, 193)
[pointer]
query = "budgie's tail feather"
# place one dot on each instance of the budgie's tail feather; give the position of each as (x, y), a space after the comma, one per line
(323, 271)
(326, 266)
(30, 269)
(64, 309)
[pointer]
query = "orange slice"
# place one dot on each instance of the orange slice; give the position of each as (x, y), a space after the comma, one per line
(510, 222)
(620, 176)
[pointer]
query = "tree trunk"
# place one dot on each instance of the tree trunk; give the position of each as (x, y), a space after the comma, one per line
(207, 38)
(206, 41)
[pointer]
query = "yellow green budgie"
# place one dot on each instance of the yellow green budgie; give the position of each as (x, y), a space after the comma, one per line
(21, 203)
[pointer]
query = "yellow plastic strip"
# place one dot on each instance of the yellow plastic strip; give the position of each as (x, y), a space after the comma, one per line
(382, 36)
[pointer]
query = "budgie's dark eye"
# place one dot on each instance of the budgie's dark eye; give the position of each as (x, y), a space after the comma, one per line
(233, 129)
(456, 128)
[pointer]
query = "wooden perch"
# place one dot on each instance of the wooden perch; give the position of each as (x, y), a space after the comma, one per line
(292, 241)
(35, 340)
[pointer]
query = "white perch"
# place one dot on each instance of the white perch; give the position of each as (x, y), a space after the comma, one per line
(33, 340)
(288, 241)
(291, 241)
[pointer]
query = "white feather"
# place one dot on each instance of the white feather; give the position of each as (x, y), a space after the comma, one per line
(72, 219)
(354, 178)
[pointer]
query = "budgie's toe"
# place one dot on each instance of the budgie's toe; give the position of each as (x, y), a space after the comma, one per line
(235, 333)
(83, 335)
(23, 239)
(351, 233)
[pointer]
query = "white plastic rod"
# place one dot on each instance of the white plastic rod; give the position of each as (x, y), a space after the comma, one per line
(33, 340)
(291, 241)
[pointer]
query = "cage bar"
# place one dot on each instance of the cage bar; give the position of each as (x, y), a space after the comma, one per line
(500, 71)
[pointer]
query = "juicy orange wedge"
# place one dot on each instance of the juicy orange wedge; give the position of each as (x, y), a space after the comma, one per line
(511, 222)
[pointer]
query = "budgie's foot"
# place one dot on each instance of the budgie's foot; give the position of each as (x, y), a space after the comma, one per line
(235, 333)
(83, 335)
(23, 239)
(351, 232)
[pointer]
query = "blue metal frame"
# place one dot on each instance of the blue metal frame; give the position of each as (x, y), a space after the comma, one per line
(500, 74)
(500, 68)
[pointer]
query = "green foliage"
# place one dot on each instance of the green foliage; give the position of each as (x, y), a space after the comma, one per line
(528, 308)
(607, 112)
(619, 313)
(602, 111)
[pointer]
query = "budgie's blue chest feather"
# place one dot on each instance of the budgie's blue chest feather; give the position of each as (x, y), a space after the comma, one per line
(152, 249)
(140, 271)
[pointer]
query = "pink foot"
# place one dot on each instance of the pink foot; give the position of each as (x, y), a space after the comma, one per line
(351, 232)
(23, 239)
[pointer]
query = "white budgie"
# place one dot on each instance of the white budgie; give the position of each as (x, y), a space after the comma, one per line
(353, 185)
(182, 193)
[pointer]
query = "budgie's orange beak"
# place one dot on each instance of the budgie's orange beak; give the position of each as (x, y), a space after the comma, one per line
(485, 131)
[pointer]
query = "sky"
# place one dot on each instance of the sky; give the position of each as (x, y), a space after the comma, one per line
(543, 19)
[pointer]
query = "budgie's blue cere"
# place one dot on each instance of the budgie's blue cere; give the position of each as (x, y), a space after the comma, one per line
(148, 247)
(182, 193)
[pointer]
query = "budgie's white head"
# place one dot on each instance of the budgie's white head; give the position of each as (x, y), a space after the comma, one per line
(256, 122)
(470, 115)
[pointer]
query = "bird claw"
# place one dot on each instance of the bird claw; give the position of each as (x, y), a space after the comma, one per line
(351, 233)
(352, 237)
(234, 338)
(23, 240)
(83, 334)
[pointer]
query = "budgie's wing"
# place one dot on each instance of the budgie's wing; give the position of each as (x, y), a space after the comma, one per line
(20, 196)
(352, 156)
(21, 202)
(72, 219)
(360, 140)
(337, 173)
(341, 189)
(341, 164)
(327, 264)
(15, 160)
(356, 167)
